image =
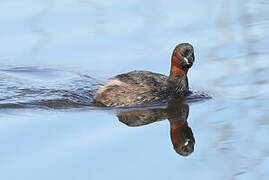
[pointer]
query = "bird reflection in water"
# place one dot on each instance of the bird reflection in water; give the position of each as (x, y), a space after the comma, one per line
(176, 112)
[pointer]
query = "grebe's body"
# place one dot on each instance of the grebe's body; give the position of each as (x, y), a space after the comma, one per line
(140, 88)
(143, 87)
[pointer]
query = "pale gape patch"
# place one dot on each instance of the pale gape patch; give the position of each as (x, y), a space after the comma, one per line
(186, 60)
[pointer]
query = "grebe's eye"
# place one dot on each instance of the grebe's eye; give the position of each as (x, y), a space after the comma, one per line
(186, 52)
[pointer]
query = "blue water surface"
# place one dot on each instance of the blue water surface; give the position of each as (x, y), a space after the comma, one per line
(54, 53)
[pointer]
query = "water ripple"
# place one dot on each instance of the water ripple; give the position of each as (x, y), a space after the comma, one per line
(34, 87)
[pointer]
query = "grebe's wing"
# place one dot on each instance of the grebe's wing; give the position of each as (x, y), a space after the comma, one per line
(143, 78)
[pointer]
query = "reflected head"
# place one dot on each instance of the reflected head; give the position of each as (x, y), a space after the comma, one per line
(185, 141)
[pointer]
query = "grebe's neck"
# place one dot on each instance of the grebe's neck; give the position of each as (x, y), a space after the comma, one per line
(176, 68)
(175, 131)
(178, 85)
(178, 80)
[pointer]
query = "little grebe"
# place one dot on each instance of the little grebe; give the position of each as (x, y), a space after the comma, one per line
(143, 87)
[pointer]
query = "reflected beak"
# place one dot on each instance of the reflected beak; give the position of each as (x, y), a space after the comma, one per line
(187, 142)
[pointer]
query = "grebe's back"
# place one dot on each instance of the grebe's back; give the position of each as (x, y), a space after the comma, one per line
(133, 88)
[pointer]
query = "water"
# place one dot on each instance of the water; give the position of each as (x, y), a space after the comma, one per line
(54, 53)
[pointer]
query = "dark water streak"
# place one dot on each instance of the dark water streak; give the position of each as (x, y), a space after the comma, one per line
(18, 91)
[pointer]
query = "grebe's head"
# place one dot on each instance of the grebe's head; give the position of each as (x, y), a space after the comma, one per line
(186, 54)
(182, 59)
(185, 141)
